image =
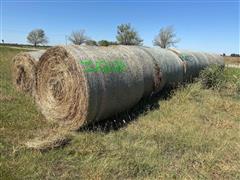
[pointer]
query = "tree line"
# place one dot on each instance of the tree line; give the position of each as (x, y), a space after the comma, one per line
(126, 35)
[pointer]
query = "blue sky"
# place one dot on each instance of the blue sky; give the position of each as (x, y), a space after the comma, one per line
(211, 26)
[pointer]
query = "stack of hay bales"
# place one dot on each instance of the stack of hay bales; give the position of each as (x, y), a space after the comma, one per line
(66, 93)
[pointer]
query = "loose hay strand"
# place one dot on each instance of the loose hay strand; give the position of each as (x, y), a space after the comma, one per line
(50, 139)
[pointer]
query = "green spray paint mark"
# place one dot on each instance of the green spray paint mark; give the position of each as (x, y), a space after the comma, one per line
(101, 65)
(186, 57)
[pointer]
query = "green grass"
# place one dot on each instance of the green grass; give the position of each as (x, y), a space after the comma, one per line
(194, 134)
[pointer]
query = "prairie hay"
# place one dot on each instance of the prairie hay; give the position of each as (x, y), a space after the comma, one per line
(67, 94)
(194, 62)
(50, 139)
(169, 64)
(24, 70)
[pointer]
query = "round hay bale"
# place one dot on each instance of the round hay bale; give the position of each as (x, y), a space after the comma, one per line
(24, 69)
(76, 85)
(170, 66)
(191, 62)
(66, 93)
(216, 59)
(151, 77)
(197, 61)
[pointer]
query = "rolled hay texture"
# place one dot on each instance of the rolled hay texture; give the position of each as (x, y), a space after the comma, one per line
(24, 71)
(169, 65)
(194, 62)
(66, 93)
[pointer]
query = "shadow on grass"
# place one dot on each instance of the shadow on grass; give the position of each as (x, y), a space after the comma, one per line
(121, 120)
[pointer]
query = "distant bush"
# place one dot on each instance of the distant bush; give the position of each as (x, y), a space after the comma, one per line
(106, 43)
(113, 43)
(103, 43)
(212, 77)
(235, 55)
(91, 43)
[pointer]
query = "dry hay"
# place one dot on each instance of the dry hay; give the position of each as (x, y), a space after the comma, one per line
(24, 69)
(72, 97)
(67, 94)
(194, 62)
(50, 139)
(170, 66)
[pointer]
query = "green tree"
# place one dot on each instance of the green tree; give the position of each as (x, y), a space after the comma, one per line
(91, 43)
(106, 43)
(103, 43)
(37, 36)
(126, 35)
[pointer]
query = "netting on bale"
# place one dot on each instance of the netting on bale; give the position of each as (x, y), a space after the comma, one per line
(169, 64)
(78, 85)
(66, 93)
(24, 71)
(196, 61)
(215, 59)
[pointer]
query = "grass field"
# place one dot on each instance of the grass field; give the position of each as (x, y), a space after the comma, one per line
(192, 134)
